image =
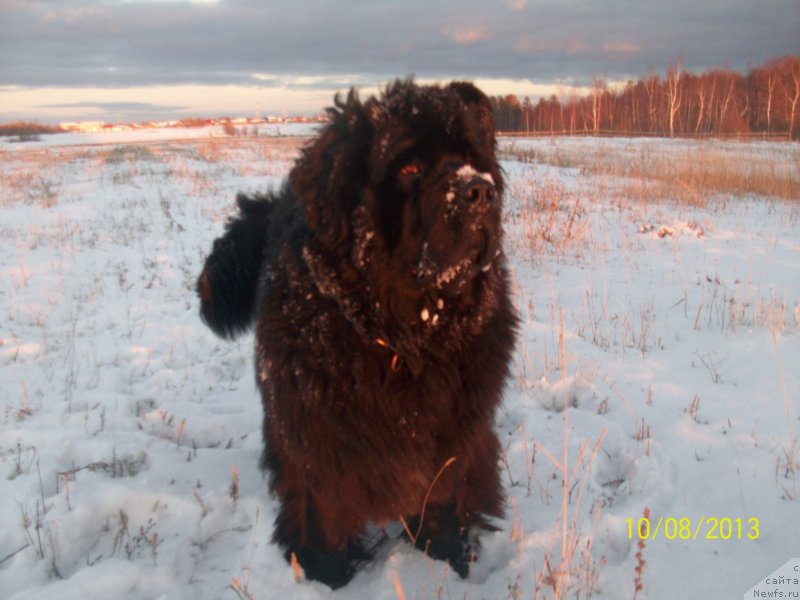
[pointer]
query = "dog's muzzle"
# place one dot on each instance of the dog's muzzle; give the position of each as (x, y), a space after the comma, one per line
(477, 191)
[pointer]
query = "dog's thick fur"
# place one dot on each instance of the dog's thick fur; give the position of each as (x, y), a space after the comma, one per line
(384, 328)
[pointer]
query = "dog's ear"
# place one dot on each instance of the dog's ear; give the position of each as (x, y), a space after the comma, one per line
(476, 103)
(469, 93)
(478, 122)
(332, 170)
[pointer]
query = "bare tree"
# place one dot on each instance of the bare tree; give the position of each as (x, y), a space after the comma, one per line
(771, 80)
(725, 101)
(701, 104)
(598, 85)
(673, 93)
(766, 99)
(791, 89)
(651, 86)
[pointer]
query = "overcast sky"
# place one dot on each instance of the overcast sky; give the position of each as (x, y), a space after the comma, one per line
(160, 59)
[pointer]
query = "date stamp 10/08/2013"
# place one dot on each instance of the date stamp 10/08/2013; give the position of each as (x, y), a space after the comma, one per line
(684, 528)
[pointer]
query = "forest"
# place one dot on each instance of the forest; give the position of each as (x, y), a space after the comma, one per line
(764, 102)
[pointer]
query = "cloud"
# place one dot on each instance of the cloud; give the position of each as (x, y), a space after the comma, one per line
(173, 1)
(467, 35)
(621, 47)
(314, 82)
(576, 46)
(322, 44)
(116, 107)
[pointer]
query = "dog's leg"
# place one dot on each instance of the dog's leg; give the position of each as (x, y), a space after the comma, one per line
(444, 536)
(447, 531)
(299, 532)
(324, 540)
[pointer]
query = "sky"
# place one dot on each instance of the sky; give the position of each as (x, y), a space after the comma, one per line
(133, 60)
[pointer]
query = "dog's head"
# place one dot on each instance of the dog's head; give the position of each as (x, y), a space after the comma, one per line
(407, 183)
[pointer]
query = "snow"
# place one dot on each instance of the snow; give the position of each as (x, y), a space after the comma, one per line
(130, 434)
(468, 173)
(162, 134)
(464, 175)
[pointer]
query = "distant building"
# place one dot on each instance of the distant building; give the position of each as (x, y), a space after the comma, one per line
(83, 127)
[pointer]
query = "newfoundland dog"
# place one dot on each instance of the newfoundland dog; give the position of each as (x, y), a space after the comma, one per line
(377, 285)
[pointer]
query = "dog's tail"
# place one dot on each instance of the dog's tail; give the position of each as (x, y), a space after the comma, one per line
(229, 282)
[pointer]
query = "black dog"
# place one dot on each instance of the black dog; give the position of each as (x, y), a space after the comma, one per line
(384, 326)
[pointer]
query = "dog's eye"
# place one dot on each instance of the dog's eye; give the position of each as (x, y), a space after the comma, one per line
(412, 169)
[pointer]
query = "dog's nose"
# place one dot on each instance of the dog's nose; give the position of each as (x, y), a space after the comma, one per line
(478, 190)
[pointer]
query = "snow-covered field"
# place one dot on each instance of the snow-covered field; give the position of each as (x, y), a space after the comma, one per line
(656, 373)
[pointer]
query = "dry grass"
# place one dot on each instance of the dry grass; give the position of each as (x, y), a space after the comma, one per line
(33, 176)
(693, 173)
(549, 214)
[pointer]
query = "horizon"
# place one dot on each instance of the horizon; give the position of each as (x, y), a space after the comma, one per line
(138, 60)
(136, 103)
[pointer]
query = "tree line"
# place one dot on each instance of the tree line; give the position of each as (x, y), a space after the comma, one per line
(25, 131)
(766, 100)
